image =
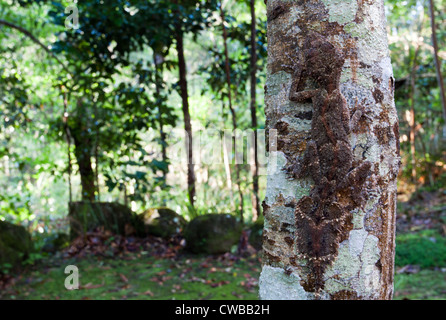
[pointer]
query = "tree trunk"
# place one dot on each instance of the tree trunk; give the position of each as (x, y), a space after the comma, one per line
(86, 172)
(96, 155)
(158, 60)
(186, 115)
(254, 167)
(68, 137)
(437, 60)
(83, 152)
(330, 202)
(231, 108)
(412, 122)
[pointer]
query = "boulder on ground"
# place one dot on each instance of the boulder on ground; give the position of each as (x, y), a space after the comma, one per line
(162, 222)
(212, 233)
(86, 216)
(15, 244)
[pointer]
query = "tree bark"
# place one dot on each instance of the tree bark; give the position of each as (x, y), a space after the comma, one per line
(330, 202)
(254, 167)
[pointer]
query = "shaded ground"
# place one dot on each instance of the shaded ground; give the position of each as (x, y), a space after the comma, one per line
(422, 210)
(425, 285)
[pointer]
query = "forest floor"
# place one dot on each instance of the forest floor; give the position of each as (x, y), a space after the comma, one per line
(141, 277)
(162, 270)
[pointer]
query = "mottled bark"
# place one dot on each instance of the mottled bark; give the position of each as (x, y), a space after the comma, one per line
(331, 200)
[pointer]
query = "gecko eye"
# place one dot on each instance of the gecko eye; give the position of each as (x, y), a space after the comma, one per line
(326, 47)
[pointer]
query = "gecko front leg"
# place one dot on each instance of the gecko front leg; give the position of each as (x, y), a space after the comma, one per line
(308, 166)
(358, 113)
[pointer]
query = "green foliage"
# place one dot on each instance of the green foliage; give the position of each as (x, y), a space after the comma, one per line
(410, 31)
(116, 99)
(426, 249)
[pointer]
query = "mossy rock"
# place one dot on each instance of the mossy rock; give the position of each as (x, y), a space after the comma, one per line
(56, 242)
(212, 233)
(162, 222)
(256, 234)
(15, 244)
(86, 216)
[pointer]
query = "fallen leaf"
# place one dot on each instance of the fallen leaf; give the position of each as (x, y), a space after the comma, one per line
(149, 293)
(91, 286)
(123, 278)
(409, 269)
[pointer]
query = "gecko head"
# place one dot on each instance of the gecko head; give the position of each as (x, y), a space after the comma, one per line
(324, 61)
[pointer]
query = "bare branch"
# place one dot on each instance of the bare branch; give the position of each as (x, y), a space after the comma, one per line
(35, 40)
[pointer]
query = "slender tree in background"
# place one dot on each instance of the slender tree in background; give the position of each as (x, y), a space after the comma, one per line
(68, 138)
(253, 106)
(330, 202)
(158, 59)
(96, 150)
(412, 96)
(179, 35)
(437, 60)
(412, 121)
(231, 108)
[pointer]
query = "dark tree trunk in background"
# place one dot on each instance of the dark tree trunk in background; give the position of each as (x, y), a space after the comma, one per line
(85, 170)
(158, 60)
(255, 180)
(186, 114)
(412, 122)
(68, 137)
(96, 154)
(231, 108)
(437, 61)
(83, 152)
